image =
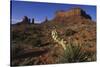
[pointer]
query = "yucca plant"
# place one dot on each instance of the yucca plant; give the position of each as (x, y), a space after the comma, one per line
(72, 50)
(74, 53)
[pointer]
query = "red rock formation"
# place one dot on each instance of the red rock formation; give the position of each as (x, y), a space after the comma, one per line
(61, 15)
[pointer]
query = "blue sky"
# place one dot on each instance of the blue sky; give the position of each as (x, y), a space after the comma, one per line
(39, 11)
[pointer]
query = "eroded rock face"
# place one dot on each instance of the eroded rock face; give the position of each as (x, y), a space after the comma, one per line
(61, 15)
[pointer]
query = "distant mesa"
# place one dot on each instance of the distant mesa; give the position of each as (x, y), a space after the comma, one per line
(61, 15)
(72, 13)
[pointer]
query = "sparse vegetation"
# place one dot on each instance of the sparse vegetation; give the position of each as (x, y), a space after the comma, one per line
(74, 53)
(70, 32)
(72, 50)
(70, 41)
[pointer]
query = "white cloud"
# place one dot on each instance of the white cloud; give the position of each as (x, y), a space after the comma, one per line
(13, 21)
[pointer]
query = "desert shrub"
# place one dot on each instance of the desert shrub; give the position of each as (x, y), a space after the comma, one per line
(73, 53)
(14, 35)
(73, 50)
(15, 49)
(70, 32)
(34, 41)
(18, 36)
